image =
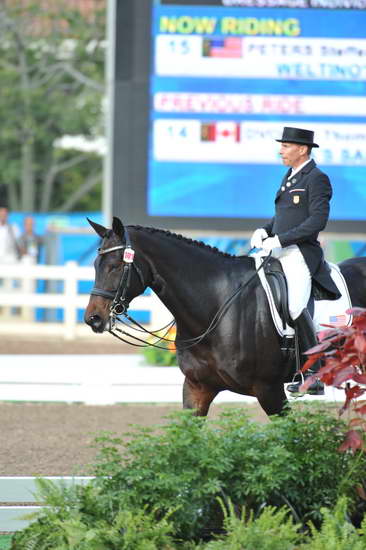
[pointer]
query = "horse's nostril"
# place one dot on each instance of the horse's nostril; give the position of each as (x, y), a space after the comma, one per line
(96, 322)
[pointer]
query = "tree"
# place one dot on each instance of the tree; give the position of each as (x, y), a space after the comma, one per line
(52, 80)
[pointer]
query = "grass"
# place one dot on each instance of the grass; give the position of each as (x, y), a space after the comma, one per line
(5, 541)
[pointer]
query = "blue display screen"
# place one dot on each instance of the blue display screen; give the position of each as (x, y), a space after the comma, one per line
(224, 83)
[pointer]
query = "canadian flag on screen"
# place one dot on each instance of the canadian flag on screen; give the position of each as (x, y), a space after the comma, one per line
(221, 132)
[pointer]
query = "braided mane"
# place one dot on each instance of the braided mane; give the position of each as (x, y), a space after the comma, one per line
(187, 240)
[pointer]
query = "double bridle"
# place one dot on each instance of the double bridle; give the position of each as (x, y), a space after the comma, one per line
(120, 304)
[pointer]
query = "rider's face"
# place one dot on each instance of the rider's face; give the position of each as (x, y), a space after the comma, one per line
(293, 154)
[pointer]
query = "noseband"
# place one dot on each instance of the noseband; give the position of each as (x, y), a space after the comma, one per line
(120, 303)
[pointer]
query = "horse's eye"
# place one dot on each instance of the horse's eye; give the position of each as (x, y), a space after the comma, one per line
(114, 267)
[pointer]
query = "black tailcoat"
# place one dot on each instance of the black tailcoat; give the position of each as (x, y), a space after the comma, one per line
(301, 211)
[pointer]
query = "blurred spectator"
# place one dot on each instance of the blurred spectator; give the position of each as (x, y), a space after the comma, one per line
(9, 233)
(29, 242)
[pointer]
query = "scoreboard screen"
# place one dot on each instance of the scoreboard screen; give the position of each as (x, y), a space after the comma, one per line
(225, 77)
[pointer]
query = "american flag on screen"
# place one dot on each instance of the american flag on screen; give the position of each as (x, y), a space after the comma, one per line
(338, 320)
(222, 47)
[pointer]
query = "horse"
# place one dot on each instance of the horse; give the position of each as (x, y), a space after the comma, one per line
(242, 353)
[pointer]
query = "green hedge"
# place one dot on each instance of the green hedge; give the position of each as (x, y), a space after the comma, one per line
(177, 484)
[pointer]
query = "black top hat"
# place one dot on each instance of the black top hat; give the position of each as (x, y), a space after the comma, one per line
(298, 135)
(3, 196)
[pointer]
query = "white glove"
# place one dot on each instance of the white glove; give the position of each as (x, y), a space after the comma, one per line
(257, 238)
(271, 243)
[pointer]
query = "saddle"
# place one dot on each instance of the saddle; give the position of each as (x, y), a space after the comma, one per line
(321, 309)
(278, 286)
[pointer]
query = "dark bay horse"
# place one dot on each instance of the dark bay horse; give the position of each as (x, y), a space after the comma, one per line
(243, 354)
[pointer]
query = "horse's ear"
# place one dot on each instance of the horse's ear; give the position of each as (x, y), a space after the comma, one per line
(99, 229)
(117, 227)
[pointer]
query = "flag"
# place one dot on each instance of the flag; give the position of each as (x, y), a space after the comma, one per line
(208, 131)
(222, 47)
(222, 131)
(338, 320)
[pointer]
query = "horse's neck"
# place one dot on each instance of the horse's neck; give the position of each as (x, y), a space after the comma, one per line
(181, 273)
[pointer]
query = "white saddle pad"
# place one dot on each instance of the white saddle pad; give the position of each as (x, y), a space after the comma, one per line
(329, 312)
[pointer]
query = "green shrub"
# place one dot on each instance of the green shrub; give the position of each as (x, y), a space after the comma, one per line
(188, 463)
(274, 529)
(170, 477)
(320, 474)
(79, 524)
(336, 531)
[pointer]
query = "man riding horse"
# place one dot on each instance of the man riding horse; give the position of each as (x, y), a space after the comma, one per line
(301, 212)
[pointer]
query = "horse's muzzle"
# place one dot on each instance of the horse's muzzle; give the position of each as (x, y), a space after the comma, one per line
(95, 322)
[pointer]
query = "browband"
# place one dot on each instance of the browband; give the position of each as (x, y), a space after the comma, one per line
(110, 249)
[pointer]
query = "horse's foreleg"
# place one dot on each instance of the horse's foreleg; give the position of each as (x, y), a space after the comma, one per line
(197, 396)
(272, 398)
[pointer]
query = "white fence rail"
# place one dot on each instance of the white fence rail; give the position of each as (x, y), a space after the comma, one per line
(17, 499)
(90, 379)
(22, 295)
(102, 380)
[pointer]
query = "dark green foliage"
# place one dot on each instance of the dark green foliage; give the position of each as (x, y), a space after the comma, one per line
(273, 529)
(177, 474)
(75, 521)
(320, 473)
(292, 460)
(336, 533)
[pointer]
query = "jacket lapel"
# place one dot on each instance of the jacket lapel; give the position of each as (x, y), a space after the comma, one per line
(283, 183)
(303, 172)
(307, 168)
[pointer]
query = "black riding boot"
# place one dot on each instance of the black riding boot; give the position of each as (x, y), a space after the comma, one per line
(307, 339)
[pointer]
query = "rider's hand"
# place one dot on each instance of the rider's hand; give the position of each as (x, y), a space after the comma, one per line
(257, 238)
(271, 243)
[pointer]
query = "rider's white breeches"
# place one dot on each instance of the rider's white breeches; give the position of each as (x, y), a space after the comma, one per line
(298, 278)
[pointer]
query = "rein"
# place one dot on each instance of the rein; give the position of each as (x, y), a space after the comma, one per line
(119, 305)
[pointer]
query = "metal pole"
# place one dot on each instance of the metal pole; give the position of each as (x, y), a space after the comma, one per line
(109, 115)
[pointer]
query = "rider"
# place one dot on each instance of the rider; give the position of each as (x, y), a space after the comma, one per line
(301, 211)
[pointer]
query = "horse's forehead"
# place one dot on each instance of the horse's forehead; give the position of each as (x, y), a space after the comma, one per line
(111, 239)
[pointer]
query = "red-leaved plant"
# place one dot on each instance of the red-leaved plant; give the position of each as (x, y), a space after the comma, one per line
(343, 354)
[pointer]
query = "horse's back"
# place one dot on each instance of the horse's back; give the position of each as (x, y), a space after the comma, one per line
(354, 272)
